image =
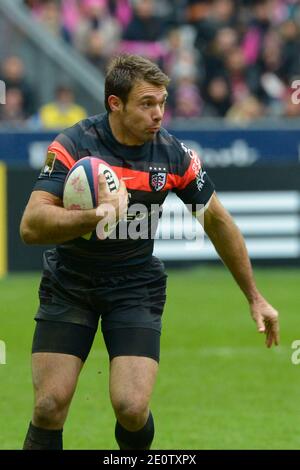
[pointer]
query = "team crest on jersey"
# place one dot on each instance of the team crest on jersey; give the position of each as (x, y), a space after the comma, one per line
(157, 179)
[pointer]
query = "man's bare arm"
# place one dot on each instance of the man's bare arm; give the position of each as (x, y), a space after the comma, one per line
(45, 221)
(230, 245)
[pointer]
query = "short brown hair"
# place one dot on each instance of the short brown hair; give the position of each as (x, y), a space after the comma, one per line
(124, 70)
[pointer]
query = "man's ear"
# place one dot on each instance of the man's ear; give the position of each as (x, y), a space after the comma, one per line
(115, 103)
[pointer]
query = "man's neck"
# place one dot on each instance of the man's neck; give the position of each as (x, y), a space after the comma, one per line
(119, 133)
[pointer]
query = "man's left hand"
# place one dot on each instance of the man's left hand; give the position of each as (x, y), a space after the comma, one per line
(266, 318)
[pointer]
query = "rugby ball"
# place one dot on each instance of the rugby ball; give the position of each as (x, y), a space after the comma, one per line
(81, 184)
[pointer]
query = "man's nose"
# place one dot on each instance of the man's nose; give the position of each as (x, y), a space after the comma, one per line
(158, 113)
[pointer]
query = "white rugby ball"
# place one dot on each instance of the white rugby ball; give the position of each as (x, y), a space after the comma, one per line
(81, 184)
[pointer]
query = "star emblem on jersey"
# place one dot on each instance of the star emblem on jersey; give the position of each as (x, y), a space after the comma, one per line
(157, 178)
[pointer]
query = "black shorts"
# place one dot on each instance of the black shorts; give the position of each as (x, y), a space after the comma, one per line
(130, 306)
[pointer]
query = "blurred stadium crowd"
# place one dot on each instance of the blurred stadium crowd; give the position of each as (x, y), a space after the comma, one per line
(233, 59)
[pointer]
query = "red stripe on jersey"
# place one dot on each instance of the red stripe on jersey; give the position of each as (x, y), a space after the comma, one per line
(136, 179)
(191, 173)
(139, 180)
(62, 154)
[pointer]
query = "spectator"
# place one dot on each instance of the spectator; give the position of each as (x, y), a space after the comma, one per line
(145, 25)
(144, 33)
(63, 112)
(71, 15)
(245, 110)
(180, 52)
(214, 56)
(188, 102)
(221, 15)
(121, 10)
(12, 113)
(13, 74)
(95, 50)
(236, 71)
(50, 17)
(290, 35)
(96, 17)
(268, 78)
(217, 97)
(197, 11)
(259, 25)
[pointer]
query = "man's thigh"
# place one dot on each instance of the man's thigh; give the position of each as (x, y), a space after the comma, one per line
(132, 324)
(58, 352)
(55, 373)
(131, 382)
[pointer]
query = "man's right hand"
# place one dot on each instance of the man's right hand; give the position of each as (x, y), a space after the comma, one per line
(112, 204)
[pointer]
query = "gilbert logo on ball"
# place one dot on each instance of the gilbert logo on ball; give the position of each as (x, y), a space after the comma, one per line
(110, 178)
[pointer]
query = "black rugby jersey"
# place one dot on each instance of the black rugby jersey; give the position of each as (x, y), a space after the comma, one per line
(150, 170)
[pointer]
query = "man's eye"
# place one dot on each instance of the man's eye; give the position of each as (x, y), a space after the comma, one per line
(146, 105)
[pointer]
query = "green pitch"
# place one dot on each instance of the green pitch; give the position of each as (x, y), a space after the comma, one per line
(218, 386)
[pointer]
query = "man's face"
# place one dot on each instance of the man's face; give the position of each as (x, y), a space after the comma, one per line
(142, 115)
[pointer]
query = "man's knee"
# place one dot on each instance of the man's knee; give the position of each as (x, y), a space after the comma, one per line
(50, 410)
(131, 413)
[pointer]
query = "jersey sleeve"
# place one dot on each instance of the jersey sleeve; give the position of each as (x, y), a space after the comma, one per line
(61, 156)
(194, 187)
